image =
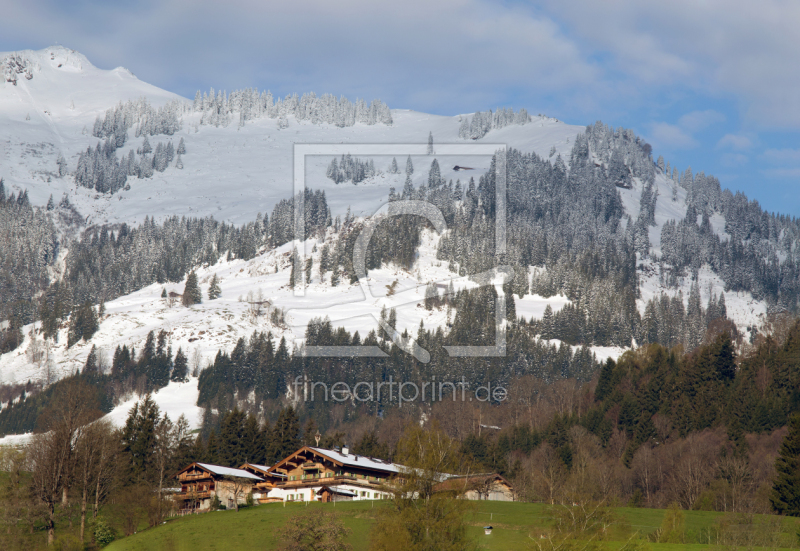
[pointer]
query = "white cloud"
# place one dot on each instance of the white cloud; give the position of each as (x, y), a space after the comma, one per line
(670, 136)
(582, 57)
(782, 172)
(732, 160)
(680, 135)
(782, 155)
(719, 47)
(700, 120)
(735, 142)
(451, 55)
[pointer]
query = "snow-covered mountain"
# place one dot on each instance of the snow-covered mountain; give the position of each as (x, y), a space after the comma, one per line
(231, 172)
(49, 100)
(237, 168)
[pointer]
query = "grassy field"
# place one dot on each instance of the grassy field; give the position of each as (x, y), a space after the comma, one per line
(256, 528)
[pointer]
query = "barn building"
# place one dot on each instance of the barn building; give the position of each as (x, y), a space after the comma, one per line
(488, 487)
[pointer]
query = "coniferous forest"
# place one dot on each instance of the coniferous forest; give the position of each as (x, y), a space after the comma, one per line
(569, 222)
(443, 309)
(695, 413)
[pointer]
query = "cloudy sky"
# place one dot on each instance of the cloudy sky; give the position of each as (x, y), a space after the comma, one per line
(711, 84)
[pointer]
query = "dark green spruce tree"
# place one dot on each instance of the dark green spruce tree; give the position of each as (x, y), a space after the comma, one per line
(90, 368)
(83, 324)
(785, 497)
(180, 368)
(286, 434)
(139, 441)
(213, 288)
(191, 292)
(231, 442)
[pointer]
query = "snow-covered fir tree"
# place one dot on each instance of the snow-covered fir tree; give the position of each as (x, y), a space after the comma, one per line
(214, 291)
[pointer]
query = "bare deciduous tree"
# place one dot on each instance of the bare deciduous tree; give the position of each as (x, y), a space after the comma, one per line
(106, 467)
(644, 468)
(550, 471)
(735, 470)
(166, 440)
(13, 492)
(692, 471)
(90, 449)
(52, 453)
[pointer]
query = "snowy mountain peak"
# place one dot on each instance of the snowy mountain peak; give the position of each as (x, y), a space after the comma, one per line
(63, 83)
(26, 63)
(68, 130)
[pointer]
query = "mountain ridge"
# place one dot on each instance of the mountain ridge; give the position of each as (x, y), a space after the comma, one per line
(235, 171)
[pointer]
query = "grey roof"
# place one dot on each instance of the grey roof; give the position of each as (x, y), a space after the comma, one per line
(266, 469)
(360, 461)
(228, 471)
(338, 490)
(260, 467)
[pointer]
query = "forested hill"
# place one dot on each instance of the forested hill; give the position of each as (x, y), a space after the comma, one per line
(122, 203)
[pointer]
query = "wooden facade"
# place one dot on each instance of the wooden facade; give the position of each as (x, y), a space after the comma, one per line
(269, 481)
(477, 487)
(201, 482)
(316, 474)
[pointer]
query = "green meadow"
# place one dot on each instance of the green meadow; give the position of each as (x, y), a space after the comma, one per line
(516, 526)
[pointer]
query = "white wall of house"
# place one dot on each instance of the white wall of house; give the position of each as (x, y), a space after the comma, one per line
(498, 492)
(225, 492)
(310, 493)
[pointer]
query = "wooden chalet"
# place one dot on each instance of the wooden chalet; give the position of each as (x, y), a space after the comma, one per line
(201, 482)
(269, 480)
(488, 486)
(317, 474)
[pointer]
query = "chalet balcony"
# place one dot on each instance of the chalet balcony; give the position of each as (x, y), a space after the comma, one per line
(306, 481)
(193, 495)
(192, 476)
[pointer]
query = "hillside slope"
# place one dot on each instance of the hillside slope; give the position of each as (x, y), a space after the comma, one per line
(235, 168)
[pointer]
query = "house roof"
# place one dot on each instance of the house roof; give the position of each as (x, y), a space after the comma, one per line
(469, 482)
(228, 471)
(262, 469)
(350, 460)
(360, 461)
(337, 490)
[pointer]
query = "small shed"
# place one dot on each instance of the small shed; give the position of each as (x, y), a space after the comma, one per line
(478, 487)
(328, 494)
